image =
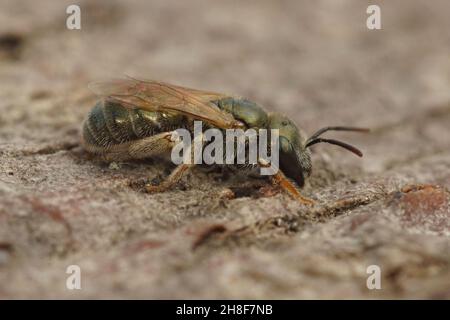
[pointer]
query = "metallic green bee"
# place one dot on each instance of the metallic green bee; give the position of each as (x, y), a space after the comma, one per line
(136, 118)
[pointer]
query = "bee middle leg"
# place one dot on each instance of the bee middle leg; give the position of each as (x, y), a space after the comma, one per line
(154, 146)
(174, 177)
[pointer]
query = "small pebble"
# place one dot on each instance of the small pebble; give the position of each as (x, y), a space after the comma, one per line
(114, 166)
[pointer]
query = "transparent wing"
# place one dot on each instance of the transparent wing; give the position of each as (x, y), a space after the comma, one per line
(159, 96)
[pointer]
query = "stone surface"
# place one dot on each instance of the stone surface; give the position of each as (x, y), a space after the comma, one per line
(210, 238)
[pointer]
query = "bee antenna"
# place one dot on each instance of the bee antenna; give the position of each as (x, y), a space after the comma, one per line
(325, 129)
(335, 142)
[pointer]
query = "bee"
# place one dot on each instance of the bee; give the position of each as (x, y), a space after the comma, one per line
(135, 119)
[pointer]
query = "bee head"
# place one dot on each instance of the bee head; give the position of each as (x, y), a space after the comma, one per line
(295, 157)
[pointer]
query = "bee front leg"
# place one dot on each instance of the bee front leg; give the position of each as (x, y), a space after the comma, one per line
(279, 179)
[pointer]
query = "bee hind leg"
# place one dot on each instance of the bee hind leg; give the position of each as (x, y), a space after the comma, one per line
(154, 146)
(151, 146)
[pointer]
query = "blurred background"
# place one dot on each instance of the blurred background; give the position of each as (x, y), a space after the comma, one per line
(315, 61)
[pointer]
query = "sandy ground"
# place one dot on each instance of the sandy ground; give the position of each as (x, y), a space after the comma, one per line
(313, 60)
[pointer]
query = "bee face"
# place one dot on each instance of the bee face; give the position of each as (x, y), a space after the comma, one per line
(295, 159)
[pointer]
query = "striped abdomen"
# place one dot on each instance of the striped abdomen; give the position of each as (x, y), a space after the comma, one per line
(110, 124)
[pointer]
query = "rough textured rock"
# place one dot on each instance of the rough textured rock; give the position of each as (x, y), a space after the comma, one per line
(209, 238)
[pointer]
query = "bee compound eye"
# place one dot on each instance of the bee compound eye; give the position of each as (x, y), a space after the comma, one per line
(285, 146)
